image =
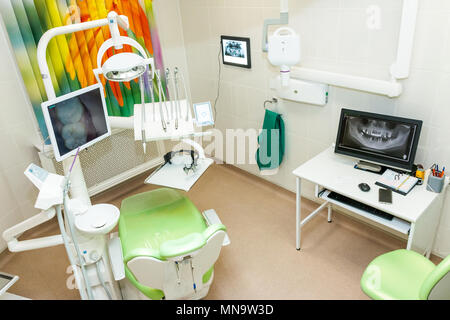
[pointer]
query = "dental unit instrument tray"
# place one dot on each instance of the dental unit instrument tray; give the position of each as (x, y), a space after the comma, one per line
(177, 174)
(166, 113)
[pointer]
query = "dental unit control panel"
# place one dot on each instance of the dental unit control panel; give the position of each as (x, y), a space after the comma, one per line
(36, 174)
(50, 186)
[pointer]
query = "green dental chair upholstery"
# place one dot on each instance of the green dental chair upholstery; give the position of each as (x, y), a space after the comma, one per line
(406, 275)
(160, 231)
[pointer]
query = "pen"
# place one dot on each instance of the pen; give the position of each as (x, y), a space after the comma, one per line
(403, 183)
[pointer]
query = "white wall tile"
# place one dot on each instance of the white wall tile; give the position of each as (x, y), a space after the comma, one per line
(430, 40)
(353, 36)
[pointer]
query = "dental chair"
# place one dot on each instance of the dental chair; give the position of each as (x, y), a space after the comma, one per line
(168, 248)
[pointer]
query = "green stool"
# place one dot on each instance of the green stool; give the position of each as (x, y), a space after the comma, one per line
(406, 275)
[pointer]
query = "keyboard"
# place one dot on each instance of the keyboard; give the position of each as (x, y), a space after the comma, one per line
(358, 205)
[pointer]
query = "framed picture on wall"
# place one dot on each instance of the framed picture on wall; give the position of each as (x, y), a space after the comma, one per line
(236, 51)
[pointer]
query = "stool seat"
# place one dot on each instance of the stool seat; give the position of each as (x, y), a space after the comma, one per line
(396, 275)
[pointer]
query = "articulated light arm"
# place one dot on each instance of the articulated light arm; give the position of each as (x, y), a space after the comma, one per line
(45, 40)
(112, 21)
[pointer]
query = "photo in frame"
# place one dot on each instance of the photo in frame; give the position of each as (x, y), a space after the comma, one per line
(236, 51)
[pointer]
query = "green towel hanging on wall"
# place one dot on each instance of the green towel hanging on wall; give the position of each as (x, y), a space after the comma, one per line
(271, 142)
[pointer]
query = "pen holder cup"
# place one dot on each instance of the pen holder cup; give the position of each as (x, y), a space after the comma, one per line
(435, 184)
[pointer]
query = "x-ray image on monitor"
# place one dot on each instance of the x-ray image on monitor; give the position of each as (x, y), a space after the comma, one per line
(378, 138)
(384, 137)
(76, 120)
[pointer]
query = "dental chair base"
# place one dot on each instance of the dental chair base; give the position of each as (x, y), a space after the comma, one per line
(130, 292)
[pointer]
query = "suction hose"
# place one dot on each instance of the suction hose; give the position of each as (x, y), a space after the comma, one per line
(75, 243)
(71, 260)
(99, 275)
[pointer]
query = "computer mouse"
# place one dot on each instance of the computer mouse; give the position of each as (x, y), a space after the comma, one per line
(364, 187)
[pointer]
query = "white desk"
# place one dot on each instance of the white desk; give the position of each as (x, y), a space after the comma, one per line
(415, 215)
(10, 296)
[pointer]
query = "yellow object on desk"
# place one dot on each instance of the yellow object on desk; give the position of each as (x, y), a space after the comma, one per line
(420, 173)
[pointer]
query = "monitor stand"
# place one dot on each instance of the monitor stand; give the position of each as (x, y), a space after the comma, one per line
(367, 166)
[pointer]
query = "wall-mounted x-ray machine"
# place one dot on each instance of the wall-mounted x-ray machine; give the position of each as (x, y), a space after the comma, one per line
(315, 79)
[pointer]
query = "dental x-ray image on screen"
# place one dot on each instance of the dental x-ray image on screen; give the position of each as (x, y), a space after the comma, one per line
(236, 51)
(378, 138)
(77, 121)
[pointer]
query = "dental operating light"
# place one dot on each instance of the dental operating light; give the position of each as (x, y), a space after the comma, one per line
(124, 66)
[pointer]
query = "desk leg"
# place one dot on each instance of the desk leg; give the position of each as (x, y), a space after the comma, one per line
(298, 211)
(423, 231)
(330, 209)
(410, 237)
(409, 245)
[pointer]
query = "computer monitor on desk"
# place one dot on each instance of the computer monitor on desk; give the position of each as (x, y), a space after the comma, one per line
(379, 139)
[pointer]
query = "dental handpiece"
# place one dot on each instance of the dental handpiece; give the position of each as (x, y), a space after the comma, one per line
(163, 122)
(163, 98)
(177, 101)
(152, 96)
(168, 92)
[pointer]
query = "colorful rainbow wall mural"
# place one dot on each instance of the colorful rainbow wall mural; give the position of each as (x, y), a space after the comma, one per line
(72, 57)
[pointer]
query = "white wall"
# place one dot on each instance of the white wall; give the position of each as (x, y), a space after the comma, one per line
(18, 130)
(170, 29)
(335, 38)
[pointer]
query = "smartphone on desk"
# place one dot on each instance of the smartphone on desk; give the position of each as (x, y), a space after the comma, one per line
(385, 195)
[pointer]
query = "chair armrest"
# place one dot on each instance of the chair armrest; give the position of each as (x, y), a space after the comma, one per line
(213, 229)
